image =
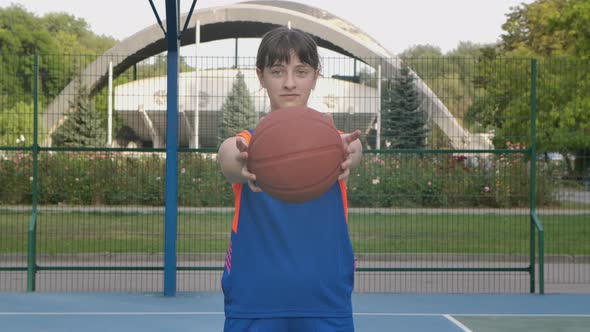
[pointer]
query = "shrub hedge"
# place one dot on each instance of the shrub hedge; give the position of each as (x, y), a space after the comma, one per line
(382, 180)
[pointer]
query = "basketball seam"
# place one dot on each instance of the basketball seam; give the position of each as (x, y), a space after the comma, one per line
(304, 118)
(294, 155)
(306, 187)
(260, 132)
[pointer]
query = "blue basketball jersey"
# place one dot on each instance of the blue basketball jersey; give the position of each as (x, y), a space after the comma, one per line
(288, 259)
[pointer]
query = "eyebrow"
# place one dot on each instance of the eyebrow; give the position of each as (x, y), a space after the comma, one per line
(281, 65)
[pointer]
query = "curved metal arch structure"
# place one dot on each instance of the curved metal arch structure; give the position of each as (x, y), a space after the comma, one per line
(253, 19)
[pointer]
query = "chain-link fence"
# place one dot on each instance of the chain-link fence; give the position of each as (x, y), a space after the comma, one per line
(457, 190)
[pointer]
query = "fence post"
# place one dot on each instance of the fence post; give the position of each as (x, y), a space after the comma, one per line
(32, 240)
(535, 222)
(533, 147)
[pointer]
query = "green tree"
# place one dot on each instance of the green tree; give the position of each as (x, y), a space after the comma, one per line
(549, 27)
(16, 125)
(154, 66)
(82, 126)
(238, 109)
(422, 51)
(468, 50)
(20, 37)
(452, 78)
(562, 102)
(503, 107)
(426, 60)
(556, 32)
(403, 123)
(526, 27)
(564, 110)
(573, 24)
(76, 34)
(22, 34)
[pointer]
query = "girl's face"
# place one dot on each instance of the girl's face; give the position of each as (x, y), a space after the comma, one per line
(288, 84)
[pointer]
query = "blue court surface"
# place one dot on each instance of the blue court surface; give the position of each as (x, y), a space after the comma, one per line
(102, 312)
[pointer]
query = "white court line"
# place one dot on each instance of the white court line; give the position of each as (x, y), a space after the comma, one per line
(458, 323)
(106, 313)
(392, 314)
(524, 315)
(459, 314)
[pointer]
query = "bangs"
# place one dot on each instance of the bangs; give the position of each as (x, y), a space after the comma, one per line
(277, 46)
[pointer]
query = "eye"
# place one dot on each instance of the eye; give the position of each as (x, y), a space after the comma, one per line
(302, 72)
(276, 72)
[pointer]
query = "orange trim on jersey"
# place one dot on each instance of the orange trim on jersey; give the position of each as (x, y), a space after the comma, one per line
(343, 190)
(344, 198)
(246, 135)
(237, 188)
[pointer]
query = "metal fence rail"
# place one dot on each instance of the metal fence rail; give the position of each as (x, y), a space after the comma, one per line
(465, 211)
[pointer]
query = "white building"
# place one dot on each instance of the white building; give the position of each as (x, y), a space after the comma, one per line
(142, 104)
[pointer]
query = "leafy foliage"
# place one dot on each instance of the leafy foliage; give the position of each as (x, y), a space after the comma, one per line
(556, 33)
(16, 125)
(381, 180)
(504, 108)
(439, 180)
(22, 34)
(549, 28)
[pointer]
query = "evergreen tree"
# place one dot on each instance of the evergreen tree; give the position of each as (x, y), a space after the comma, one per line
(238, 109)
(83, 125)
(403, 123)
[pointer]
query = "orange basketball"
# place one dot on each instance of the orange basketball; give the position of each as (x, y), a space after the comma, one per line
(296, 154)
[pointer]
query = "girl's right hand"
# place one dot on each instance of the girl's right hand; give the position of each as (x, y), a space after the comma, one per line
(243, 158)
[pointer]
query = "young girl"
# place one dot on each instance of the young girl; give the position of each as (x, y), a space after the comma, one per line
(289, 267)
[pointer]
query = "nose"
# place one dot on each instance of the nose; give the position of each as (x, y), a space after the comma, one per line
(289, 82)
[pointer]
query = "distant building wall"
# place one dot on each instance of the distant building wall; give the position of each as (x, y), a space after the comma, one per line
(353, 105)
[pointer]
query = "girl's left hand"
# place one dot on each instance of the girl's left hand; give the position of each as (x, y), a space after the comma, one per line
(347, 139)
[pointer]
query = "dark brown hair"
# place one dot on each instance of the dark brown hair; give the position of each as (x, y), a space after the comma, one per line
(276, 47)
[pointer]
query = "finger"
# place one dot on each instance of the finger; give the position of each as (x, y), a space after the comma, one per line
(344, 174)
(241, 144)
(255, 188)
(248, 175)
(242, 157)
(352, 136)
(346, 164)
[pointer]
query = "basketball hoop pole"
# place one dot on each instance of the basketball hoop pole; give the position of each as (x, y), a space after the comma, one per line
(171, 191)
(172, 34)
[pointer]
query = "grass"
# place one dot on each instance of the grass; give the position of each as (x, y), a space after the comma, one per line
(574, 205)
(444, 233)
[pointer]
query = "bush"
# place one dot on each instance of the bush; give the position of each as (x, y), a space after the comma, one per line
(112, 178)
(382, 180)
(445, 180)
(16, 174)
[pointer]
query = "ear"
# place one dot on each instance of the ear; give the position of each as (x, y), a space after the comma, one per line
(315, 79)
(259, 74)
